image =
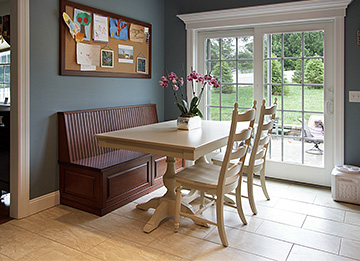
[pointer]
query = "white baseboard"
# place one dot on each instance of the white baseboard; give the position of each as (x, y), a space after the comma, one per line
(44, 202)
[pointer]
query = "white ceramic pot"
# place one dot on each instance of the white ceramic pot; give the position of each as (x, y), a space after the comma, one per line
(188, 123)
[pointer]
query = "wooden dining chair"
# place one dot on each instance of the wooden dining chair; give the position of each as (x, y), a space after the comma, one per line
(218, 180)
(255, 160)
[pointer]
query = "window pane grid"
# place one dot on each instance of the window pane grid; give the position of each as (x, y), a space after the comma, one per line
(304, 84)
(231, 60)
(4, 75)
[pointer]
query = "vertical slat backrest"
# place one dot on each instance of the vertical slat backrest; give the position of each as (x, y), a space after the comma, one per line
(81, 126)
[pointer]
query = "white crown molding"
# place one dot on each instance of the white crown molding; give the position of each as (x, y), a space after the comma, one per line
(302, 10)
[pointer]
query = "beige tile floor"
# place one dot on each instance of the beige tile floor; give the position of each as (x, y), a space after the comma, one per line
(298, 223)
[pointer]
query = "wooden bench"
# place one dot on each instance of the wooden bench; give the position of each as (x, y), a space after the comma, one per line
(97, 179)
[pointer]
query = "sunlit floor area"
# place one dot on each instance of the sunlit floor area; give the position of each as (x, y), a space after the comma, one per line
(298, 223)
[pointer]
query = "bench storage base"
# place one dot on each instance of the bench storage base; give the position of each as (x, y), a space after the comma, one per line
(99, 180)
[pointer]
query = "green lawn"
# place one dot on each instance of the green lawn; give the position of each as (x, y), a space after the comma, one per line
(292, 101)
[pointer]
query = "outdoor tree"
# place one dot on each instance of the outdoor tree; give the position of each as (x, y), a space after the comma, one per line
(83, 19)
(226, 77)
(314, 72)
(227, 52)
(314, 43)
(276, 77)
(314, 46)
(297, 77)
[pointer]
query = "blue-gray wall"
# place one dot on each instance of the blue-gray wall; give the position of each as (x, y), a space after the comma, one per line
(352, 83)
(50, 92)
(5, 7)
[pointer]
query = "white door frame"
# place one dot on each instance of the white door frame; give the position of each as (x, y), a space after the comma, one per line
(293, 12)
(21, 205)
(20, 109)
(303, 173)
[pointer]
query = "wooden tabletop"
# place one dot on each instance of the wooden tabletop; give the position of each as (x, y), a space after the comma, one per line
(165, 139)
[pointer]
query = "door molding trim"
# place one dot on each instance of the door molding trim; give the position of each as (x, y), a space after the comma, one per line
(265, 14)
(316, 11)
(20, 109)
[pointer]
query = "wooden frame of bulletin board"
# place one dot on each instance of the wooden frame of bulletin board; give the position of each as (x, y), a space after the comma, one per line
(131, 57)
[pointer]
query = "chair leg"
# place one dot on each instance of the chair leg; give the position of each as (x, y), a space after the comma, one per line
(238, 202)
(177, 208)
(263, 183)
(202, 199)
(220, 219)
(250, 188)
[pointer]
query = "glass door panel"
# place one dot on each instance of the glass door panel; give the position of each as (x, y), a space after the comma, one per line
(230, 59)
(294, 74)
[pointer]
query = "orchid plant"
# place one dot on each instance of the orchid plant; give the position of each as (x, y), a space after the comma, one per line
(177, 84)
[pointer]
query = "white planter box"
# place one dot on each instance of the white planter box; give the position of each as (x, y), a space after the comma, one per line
(188, 123)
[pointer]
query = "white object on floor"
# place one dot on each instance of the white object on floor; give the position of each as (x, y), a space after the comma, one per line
(6, 199)
(345, 184)
(348, 169)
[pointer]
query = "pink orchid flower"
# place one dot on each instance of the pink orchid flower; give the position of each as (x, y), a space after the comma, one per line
(175, 87)
(194, 75)
(172, 76)
(181, 81)
(163, 84)
(201, 79)
(207, 77)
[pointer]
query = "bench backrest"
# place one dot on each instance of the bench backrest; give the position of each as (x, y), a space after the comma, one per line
(77, 128)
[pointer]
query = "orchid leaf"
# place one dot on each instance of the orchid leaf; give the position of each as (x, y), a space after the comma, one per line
(197, 111)
(181, 107)
(193, 103)
(185, 105)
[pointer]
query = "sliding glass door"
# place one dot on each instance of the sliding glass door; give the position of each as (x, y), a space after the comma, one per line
(292, 64)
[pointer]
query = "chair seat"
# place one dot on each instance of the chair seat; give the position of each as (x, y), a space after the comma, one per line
(218, 159)
(314, 139)
(202, 174)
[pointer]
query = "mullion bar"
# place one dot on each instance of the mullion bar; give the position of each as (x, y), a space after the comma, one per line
(220, 71)
(237, 68)
(303, 98)
(282, 97)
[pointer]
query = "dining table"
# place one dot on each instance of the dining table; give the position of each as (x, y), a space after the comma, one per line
(165, 139)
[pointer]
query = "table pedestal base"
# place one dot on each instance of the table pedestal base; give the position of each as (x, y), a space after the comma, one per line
(165, 206)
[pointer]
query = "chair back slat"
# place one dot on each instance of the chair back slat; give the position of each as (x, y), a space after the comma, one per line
(260, 154)
(270, 111)
(239, 153)
(233, 170)
(268, 126)
(248, 115)
(264, 140)
(243, 135)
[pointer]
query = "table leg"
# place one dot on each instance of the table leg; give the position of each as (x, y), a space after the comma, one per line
(165, 205)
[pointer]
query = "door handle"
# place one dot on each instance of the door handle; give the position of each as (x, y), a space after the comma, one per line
(329, 107)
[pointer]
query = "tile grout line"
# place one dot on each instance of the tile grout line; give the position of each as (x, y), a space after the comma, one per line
(287, 257)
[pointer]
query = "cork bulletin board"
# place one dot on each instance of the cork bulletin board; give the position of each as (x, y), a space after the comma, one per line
(118, 46)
